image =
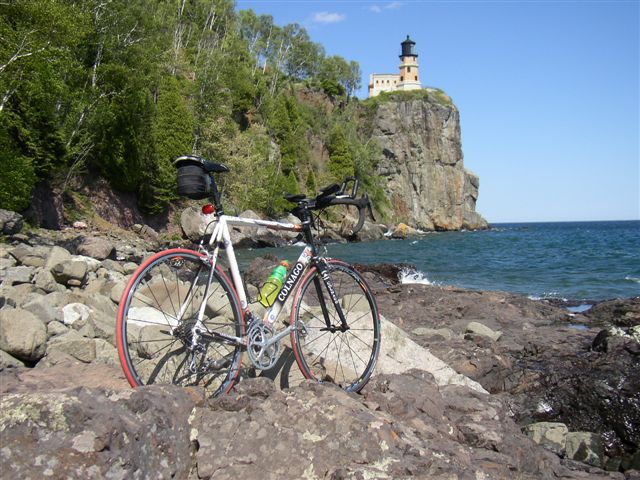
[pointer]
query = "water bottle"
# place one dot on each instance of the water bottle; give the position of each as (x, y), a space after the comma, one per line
(270, 290)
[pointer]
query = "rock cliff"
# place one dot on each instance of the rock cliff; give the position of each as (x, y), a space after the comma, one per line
(422, 162)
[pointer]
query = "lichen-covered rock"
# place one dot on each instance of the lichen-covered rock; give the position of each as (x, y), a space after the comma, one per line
(585, 447)
(552, 435)
(85, 433)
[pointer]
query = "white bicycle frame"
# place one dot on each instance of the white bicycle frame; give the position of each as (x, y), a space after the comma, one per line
(221, 236)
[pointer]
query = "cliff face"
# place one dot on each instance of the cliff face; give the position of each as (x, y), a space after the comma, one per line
(422, 163)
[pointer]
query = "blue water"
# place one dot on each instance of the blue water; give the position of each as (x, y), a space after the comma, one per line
(571, 260)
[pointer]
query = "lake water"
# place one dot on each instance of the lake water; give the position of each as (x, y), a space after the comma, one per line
(571, 260)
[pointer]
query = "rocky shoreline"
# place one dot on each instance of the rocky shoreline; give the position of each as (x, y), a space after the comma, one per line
(470, 384)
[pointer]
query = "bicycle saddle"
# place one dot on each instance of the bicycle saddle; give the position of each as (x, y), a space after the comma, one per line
(205, 164)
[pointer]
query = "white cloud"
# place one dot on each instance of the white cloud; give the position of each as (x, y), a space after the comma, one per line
(386, 6)
(326, 17)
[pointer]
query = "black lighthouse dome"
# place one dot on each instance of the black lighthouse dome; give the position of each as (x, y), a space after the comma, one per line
(408, 48)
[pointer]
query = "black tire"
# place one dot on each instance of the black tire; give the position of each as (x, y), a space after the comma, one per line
(345, 358)
(155, 346)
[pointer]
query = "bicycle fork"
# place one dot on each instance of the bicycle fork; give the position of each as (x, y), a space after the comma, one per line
(328, 283)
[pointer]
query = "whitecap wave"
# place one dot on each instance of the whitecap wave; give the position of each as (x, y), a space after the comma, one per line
(547, 296)
(632, 279)
(409, 275)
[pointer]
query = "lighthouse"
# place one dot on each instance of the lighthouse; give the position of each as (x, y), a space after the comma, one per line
(409, 70)
(409, 77)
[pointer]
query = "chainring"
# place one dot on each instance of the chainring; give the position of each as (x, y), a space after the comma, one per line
(262, 356)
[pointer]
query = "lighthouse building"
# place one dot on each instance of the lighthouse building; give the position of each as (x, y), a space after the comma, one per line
(407, 79)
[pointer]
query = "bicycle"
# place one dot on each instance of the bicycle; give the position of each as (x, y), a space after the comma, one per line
(183, 320)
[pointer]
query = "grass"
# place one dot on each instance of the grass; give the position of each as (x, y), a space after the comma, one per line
(434, 94)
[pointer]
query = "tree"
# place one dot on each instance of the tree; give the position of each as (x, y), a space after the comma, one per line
(340, 156)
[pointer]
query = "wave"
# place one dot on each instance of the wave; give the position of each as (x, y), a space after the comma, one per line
(632, 279)
(409, 275)
(547, 296)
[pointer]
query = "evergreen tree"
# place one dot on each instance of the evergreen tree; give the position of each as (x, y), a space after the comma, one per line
(340, 156)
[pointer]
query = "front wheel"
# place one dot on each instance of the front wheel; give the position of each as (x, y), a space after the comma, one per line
(323, 351)
(157, 341)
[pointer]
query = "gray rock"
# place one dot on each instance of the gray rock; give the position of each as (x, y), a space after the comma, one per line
(130, 267)
(70, 273)
(17, 275)
(113, 265)
(9, 361)
(22, 335)
(106, 353)
(7, 262)
(44, 280)
(116, 292)
(371, 231)
(551, 435)
(93, 264)
(73, 344)
(43, 309)
(9, 296)
(96, 247)
(194, 223)
(56, 328)
(146, 231)
(30, 256)
(57, 255)
(10, 222)
(478, 328)
(445, 333)
(585, 447)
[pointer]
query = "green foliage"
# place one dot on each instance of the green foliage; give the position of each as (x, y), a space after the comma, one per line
(332, 87)
(341, 163)
(432, 94)
(17, 175)
(173, 127)
(121, 88)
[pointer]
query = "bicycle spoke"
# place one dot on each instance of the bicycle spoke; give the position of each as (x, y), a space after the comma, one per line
(349, 356)
(157, 347)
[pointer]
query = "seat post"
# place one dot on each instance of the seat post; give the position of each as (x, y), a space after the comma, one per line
(217, 202)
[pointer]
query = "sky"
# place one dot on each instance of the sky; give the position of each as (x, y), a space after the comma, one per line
(548, 91)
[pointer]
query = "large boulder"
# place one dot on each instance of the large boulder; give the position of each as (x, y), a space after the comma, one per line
(195, 224)
(96, 247)
(10, 222)
(22, 335)
(83, 433)
(72, 273)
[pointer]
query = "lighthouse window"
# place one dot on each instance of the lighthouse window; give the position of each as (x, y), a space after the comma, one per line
(408, 69)
(402, 79)
(416, 77)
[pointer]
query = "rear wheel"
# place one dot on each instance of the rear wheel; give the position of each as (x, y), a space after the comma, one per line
(326, 353)
(158, 311)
